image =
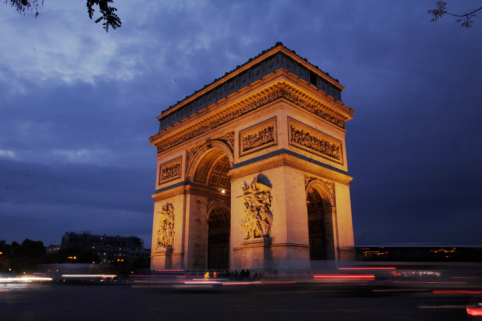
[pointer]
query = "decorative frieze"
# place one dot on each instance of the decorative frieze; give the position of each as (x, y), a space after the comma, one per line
(257, 215)
(277, 91)
(165, 234)
(170, 170)
(257, 137)
(314, 141)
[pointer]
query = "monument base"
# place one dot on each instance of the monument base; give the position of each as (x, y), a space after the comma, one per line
(254, 254)
(165, 260)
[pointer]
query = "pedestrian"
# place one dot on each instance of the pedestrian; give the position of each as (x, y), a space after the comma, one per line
(247, 275)
(243, 275)
(215, 274)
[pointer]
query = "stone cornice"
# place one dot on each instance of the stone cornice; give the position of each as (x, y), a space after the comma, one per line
(256, 86)
(293, 162)
(247, 66)
(168, 193)
(280, 88)
(193, 189)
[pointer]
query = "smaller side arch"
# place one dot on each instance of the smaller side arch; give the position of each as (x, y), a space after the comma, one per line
(215, 205)
(323, 190)
(208, 146)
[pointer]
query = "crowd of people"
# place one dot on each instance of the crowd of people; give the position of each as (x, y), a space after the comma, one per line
(244, 275)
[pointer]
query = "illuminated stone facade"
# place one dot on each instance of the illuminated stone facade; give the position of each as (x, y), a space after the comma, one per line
(252, 171)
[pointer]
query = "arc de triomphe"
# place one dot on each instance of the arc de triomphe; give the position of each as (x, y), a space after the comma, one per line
(252, 170)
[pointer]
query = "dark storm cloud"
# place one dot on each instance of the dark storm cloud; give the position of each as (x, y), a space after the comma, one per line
(77, 106)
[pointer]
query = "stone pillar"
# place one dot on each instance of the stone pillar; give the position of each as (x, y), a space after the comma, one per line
(331, 237)
(287, 247)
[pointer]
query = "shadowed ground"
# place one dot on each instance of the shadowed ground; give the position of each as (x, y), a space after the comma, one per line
(121, 302)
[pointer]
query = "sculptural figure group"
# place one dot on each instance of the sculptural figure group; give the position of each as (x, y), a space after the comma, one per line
(258, 217)
(165, 234)
(170, 172)
(298, 136)
(262, 137)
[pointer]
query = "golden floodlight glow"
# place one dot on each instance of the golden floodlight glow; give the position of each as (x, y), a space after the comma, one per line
(223, 191)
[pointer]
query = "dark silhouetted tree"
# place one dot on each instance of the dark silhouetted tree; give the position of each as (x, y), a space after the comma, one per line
(441, 10)
(32, 248)
(110, 18)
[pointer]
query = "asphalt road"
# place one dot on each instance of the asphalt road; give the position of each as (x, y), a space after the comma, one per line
(123, 302)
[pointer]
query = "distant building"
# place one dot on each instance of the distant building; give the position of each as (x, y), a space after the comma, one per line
(108, 248)
(52, 249)
(420, 253)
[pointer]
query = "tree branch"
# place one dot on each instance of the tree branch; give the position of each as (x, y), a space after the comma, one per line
(441, 10)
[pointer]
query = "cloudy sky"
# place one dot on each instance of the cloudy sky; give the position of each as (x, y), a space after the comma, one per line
(77, 106)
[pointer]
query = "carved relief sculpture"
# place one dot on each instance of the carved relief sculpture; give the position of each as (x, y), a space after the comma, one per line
(262, 137)
(228, 138)
(258, 137)
(170, 170)
(315, 141)
(165, 234)
(258, 217)
(191, 152)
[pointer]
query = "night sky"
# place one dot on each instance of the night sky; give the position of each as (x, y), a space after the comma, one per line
(77, 106)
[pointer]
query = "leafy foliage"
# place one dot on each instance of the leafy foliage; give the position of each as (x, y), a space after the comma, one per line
(441, 10)
(111, 19)
(22, 5)
(108, 13)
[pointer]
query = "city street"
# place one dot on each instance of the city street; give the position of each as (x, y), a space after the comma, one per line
(124, 302)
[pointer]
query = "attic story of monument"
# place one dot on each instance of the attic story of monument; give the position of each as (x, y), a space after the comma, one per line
(252, 171)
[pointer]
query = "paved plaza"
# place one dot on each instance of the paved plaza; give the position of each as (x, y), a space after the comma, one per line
(123, 302)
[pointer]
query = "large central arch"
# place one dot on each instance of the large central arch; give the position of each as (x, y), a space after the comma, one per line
(208, 171)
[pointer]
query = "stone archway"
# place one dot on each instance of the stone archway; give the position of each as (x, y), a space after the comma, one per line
(321, 221)
(212, 187)
(218, 241)
(201, 156)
